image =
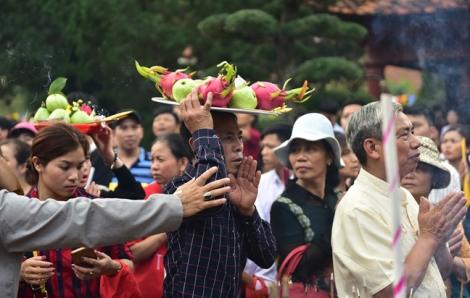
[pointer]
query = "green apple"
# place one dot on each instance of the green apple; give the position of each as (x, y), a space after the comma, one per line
(41, 114)
(182, 88)
(60, 113)
(56, 101)
(243, 98)
(80, 117)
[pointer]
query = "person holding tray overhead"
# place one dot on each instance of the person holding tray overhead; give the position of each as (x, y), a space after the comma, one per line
(207, 254)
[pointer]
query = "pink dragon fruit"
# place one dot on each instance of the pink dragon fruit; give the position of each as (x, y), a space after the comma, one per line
(86, 109)
(163, 79)
(271, 97)
(221, 87)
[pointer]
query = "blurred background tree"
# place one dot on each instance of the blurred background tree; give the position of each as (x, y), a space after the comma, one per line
(293, 39)
(94, 45)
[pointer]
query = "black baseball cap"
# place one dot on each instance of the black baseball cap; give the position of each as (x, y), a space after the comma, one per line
(134, 115)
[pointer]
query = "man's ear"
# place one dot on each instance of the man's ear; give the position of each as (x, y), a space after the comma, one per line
(141, 132)
(372, 148)
(433, 133)
(191, 143)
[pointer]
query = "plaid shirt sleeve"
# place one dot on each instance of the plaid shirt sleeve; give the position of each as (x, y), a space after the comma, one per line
(208, 152)
(261, 242)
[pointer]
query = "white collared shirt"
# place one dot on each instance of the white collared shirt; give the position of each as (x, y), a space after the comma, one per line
(362, 235)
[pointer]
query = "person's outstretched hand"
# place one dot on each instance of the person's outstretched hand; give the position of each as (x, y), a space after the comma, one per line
(244, 188)
(194, 116)
(192, 193)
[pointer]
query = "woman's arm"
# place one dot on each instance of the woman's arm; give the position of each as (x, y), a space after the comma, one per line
(146, 248)
(128, 187)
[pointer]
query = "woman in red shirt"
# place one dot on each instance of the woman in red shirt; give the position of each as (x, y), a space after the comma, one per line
(56, 164)
(169, 160)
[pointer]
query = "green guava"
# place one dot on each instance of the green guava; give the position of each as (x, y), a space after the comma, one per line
(182, 88)
(243, 98)
(41, 114)
(80, 117)
(56, 101)
(60, 113)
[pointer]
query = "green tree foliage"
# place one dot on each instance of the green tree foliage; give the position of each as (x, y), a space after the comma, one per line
(298, 43)
(94, 44)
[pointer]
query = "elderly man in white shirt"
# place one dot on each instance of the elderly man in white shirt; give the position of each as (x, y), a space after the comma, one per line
(362, 229)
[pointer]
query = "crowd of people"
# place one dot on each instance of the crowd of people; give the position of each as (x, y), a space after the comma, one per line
(215, 207)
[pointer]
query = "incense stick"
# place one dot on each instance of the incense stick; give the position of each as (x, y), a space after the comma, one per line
(366, 294)
(354, 291)
(411, 293)
(332, 286)
(461, 286)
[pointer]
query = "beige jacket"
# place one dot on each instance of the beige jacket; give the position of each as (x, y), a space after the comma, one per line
(27, 225)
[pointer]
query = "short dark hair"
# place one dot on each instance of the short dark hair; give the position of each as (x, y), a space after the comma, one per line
(186, 134)
(166, 110)
(421, 111)
(463, 130)
(75, 96)
(328, 106)
(22, 151)
(175, 143)
(6, 123)
(341, 138)
(353, 102)
(134, 115)
(283, 131)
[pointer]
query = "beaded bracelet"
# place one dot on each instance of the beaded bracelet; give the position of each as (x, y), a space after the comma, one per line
(114, 161)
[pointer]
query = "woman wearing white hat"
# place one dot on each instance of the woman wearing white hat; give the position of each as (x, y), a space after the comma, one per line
(314, 155)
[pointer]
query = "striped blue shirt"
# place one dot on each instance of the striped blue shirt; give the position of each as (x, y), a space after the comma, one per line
(141, 168)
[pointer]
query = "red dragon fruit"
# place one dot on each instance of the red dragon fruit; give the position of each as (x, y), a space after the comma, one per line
(271, 97)
(221, 87)
(163, 79)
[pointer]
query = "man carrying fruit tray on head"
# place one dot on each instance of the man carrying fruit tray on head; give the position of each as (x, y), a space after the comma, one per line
(207, 254)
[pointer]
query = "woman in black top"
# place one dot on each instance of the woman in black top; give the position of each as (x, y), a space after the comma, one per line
(315, 156)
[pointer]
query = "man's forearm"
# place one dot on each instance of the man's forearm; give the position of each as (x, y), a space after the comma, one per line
(417, 261)
(443, 260)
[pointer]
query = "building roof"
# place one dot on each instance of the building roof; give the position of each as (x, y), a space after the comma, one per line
(394, 7)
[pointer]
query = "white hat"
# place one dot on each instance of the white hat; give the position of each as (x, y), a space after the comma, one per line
(310, 127)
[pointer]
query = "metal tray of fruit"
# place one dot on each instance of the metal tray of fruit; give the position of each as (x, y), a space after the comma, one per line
(274, 112)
